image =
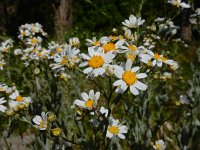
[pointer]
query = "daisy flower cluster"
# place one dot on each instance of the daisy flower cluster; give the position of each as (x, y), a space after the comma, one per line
(103, 57)
(11, 100)
(31, 35)
(195, 17)
(58, 56)
(4, 48)
(99, 114)
(64, 56)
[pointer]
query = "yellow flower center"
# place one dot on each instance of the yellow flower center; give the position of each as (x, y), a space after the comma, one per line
(39, 54)
(19, 98)
(108, 47)
(34, 41)
(58, 49)
(64, 60)
(1, 88)
(1, 64)
(129, 77)
(113, 129)
(131, 57)
(5, 50)
(96, 43)
(158, 146)
(43, 124)
(132, 47)
(156, 56)
(113, 37)
(96, 62)
(89, 103)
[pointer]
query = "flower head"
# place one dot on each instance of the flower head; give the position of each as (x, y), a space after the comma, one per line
(116, 129)
(133, 22)
(89, 101)
(129, 77)
(96, 60)
(41, 121)
(159, 145)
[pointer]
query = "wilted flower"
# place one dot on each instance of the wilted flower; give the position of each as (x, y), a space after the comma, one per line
(56, 131)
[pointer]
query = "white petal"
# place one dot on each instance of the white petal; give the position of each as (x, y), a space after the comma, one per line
(83, 64)
(91, 94)
(37, 119)
(141, 75)
(118, 82)
(87, 70)
(85, 56)
(79, 103)
(91, 51)
(121, 136)
(134, 91)
(140, 85)
(128, 64)
(84, 96)
(97, 95)
(109, 135)
(2, 108)
(118, 71)
(184, 5)
(135, 69)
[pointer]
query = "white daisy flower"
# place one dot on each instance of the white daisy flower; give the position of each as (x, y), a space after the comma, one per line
(41, 121)
(116, 129)
(6, 45)
(158, 59)
(34, 41)
(114, 47)
(128, 77)
(96, 62)
(89, 101)
(95, 43)
(67, 57)
(159, 145)
(178, 3)
(2, 107)
(133, 22)
(18, 99)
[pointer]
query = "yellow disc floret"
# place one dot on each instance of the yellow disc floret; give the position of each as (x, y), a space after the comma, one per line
(89, 103)
(19, 98)
(158, 146)
(113, 129)
(64, 60)
(108, 47)
(96, 62)
(132, 47)
(129, 77)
